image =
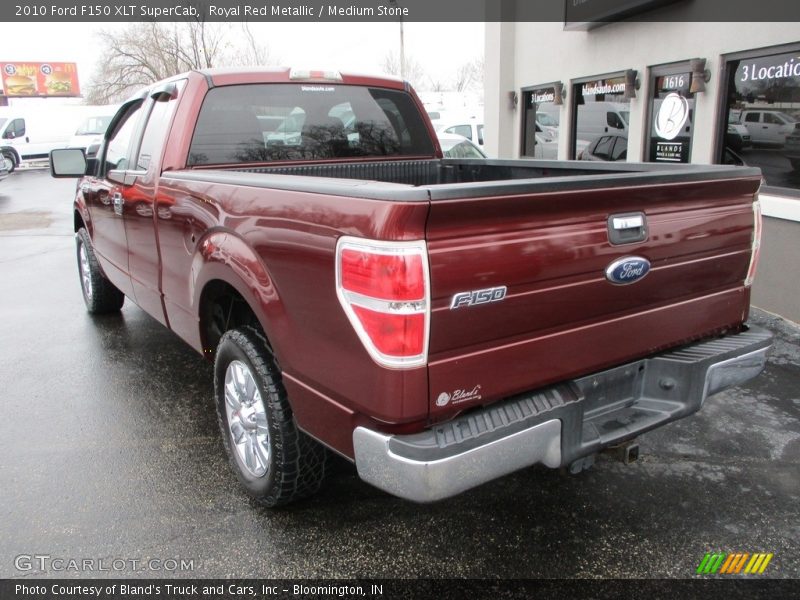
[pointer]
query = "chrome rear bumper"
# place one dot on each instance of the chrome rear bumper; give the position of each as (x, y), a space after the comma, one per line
(559, 425)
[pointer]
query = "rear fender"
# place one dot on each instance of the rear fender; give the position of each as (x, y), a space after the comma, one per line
(223, 256)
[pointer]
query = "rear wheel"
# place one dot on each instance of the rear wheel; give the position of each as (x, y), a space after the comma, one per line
(275, 462)
(99, 294)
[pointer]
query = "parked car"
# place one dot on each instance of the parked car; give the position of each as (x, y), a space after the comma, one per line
(547, 123)
(471, 128)
(457, 146)
(737, 136)
(612, 146)
(768, 127)
(792, 148)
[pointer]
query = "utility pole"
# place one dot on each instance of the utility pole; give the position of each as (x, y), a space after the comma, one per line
(402, 44)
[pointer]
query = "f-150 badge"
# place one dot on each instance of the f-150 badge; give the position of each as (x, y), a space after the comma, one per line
(627, 270)
(462, 299)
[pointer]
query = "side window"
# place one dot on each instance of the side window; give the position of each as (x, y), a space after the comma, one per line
(156, 130)
(614, 120)
(620, 151)
(15, 129)
(119, 149)
(772, 119)
(603, 148)
(752, 117)
(464, 130)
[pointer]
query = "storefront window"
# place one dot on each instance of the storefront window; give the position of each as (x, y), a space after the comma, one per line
(602, 114)
(762, 115)
(671, 115)
(540, 123)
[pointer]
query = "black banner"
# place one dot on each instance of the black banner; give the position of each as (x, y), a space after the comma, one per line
(389, 589)
(565, 11)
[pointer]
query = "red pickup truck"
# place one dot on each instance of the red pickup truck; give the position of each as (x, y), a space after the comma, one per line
(440, 322)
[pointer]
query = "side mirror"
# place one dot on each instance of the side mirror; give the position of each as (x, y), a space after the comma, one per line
(67, 162)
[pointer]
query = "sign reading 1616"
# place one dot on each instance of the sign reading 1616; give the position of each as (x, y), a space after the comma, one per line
(679, 81)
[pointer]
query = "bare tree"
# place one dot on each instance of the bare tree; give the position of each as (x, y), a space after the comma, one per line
(469, 76)
(415, 73)
(254, 52)
(146, 52)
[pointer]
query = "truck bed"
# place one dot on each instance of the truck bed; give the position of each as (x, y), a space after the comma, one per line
(540, 229)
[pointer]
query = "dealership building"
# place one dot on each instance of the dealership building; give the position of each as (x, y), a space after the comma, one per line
(660, 91)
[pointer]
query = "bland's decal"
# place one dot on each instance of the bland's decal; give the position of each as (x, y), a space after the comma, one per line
(672, 114)
(458, 396)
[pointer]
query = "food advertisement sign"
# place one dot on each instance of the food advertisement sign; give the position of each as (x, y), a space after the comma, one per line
(30, 79)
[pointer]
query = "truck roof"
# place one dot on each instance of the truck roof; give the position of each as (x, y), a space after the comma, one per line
(237, 75)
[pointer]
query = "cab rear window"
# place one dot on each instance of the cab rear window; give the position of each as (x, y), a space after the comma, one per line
(285, 122)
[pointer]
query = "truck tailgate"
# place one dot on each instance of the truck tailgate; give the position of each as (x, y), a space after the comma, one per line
(561, 317)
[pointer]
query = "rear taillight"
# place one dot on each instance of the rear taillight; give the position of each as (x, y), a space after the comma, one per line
(756, 245)
(384, 289)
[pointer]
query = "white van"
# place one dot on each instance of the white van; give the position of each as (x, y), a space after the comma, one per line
(91, 130)
(30, 133)
(597, 118)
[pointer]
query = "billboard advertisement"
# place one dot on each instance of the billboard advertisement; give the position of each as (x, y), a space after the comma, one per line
(30, 79)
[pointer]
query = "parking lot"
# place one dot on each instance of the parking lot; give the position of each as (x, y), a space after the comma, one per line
(110, 449)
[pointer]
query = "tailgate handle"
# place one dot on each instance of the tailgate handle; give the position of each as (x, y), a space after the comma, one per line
(628, 222)
(627, 228)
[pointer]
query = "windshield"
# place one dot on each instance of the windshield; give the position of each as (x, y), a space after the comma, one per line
(546, 120)
(454, 148)
(93, 126)
(784, 117)
(237, 124)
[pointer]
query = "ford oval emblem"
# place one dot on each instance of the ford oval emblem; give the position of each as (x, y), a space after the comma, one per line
(627, 270)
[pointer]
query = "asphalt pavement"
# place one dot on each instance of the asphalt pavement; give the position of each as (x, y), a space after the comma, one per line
(109, 450)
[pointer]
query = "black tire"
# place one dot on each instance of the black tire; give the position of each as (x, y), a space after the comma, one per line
(100, 295)
(10, 161)
(294, 466)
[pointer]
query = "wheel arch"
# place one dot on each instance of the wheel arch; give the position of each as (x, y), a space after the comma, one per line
(14, 154)
(233, 288)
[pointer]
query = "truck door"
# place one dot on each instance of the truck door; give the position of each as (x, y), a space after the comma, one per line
(104, 193)
(139, 196)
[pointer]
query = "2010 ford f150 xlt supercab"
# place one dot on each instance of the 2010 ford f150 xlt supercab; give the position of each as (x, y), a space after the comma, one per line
(440, 322)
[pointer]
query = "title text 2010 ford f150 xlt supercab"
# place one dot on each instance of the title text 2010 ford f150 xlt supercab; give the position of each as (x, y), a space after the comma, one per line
(439, 322)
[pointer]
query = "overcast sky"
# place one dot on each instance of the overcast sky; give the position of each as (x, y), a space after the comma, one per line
(361, 47)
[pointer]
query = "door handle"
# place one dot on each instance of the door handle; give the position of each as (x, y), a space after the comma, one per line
(118, 204)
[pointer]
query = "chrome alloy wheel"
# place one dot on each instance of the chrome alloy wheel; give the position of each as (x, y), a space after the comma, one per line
(247, 419)
(86, 273)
